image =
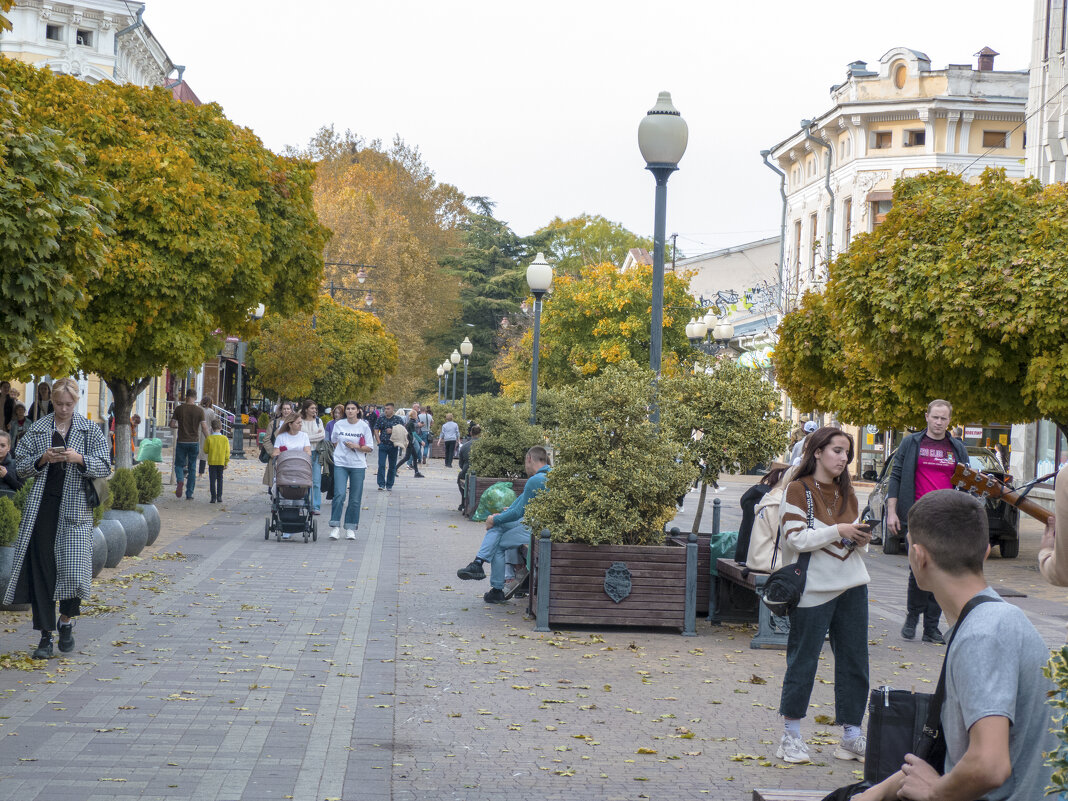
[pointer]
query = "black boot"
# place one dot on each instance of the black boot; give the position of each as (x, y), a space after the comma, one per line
(66, 637)
(44, 647)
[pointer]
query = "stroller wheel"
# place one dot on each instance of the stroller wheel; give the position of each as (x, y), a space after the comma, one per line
(315, 531)
(266, 529)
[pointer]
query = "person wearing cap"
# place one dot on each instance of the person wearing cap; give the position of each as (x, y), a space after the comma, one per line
(799, 448)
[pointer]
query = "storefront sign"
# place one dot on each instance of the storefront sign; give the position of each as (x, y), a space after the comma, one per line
(973, 432)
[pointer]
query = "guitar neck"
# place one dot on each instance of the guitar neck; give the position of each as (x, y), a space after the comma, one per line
(1029, 507)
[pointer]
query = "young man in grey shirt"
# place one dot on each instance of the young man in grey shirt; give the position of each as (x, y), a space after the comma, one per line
(995, 717)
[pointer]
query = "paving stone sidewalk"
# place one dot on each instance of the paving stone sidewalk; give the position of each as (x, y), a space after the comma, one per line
(250, 669)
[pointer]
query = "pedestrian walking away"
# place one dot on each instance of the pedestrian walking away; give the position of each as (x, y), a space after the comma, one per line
(819, 518)
(53, 558)
(450, 435)
(415, 442)
(217, 452)
(313, 427)
(387, 451)
(465, 462)
(205, 432)
(188, 419)
(925, 462)
(427, 420)
(352, 439)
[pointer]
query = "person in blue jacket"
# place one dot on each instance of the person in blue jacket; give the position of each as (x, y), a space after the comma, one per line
(506, 529)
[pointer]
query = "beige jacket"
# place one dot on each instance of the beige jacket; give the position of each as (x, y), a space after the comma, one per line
(1053, 562)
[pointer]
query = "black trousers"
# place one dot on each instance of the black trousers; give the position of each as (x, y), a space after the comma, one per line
(215, 474)
(922, 602)
(450, 450)
(38, 577)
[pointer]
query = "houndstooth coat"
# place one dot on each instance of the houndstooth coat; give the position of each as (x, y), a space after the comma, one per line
(74, 537)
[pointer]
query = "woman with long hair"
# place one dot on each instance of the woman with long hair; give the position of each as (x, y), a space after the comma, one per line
(285, 409)
(819, 518)
(42, 403)
(352, 441)
(54, 550)
(313, 427)
(337, 413)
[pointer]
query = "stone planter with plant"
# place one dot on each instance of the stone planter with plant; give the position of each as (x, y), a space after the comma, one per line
(599, 524)
(100, 543)
(123, 491)
(149, 487)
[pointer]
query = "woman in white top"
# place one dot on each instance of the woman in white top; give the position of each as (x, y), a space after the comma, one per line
(352, 442)
(290, 437)
(313, 427)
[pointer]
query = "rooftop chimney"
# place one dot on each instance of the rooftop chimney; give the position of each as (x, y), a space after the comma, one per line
(986, 59)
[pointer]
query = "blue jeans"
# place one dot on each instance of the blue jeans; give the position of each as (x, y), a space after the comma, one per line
(425, 450)
(387, 453)
(846, 618)
(317, 480)
(497, 541)
(185, 460)
(352, 477)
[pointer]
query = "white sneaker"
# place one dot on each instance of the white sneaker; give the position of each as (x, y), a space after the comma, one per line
(335, 532)
(793, 749)
(852, 749)
(350, 534)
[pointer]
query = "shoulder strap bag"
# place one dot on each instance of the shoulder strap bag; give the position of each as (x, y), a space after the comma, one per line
(96, 488)
(783, 590)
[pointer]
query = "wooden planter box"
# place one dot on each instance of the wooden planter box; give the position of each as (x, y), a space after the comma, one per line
(437, 450)
(663, 585)
(476, 486)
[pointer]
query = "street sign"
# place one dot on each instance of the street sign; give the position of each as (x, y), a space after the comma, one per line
(973, 432)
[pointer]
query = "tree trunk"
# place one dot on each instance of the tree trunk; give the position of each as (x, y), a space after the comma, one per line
(700, 505)
(125, 394)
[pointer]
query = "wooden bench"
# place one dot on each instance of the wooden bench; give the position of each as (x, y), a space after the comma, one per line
(735, 599)
(789, 795)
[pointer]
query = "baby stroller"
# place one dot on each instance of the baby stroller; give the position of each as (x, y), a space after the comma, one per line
(291, 507)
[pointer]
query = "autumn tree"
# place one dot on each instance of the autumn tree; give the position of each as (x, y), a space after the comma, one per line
(208, 224)
(286, 357)
(54, 218)
(588, 239)
(955, 295)
(601, 317)
(360, 353)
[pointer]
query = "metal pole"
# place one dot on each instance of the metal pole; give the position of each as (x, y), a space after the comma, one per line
(465, 388)
(237, 451)
(537, 355)
(439, 389)
(454, 372)
(656, 335)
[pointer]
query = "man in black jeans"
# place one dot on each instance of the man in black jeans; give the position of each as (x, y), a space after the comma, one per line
(924, 462)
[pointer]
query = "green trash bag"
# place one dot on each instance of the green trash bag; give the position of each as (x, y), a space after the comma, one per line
(495, 499)
(150, 450)
(722, 546)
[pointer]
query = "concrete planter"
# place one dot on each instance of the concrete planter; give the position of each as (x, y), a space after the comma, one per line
(133, 523)
(100, 551)
(115, 537)
(7, 562)
(153, 521)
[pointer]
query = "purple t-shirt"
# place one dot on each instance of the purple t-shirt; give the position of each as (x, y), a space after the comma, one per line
(934, 465)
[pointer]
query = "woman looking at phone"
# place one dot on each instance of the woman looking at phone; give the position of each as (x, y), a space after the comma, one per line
(835, 599)
(352, 442)
(54, 550)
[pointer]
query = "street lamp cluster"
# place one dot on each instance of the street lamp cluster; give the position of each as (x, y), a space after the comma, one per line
(719, 333)
(445, 368)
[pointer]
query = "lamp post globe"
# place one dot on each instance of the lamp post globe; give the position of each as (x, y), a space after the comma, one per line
(662, 138)
(700, 328)
(540, 280)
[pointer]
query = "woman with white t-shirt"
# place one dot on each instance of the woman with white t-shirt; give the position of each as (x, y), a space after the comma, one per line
(352, 442)
(290, 437)
(311, 425)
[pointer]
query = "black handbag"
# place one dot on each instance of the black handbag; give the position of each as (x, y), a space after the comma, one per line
(783, 590)
(264, 455)
(902, 722)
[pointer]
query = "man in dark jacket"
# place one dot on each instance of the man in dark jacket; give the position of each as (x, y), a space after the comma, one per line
(387, 451)
(924, 462)
(465, 462)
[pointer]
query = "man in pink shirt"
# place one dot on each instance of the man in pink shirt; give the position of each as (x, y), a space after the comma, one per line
(924, 462)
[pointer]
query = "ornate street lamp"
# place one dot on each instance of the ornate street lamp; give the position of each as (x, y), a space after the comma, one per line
(539, 279)
(238, 447)
(662, 136)
(466, 348)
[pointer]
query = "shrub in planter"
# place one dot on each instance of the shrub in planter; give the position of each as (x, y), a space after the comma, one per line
(506, 437)
(123, 491)
(440, 410)
(149, 487)
(22, 494)
(262, 422)
(727, 416)
(616, 477)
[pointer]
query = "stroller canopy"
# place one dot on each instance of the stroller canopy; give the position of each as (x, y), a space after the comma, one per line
(293, 469)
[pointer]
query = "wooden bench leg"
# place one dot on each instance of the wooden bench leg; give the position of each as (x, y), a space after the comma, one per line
(772, 630)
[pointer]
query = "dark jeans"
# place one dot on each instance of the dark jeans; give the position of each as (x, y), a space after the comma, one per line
(185, 465)
(450, 450)
(386, 454)
(411, 458)
(846, 619)
(922, 602)
(38, 578)
(215, 474)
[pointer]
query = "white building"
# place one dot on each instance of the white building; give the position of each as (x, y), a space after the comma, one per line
(95, 40)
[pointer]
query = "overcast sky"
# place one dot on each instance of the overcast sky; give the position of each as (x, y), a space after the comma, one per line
(536, 105)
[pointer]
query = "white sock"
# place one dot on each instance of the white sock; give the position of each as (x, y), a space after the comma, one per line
(851, 732)
(792, 727)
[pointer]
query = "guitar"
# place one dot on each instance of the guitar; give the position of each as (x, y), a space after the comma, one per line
(986, 486)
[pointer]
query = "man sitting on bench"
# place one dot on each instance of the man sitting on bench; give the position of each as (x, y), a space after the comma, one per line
(506, 530)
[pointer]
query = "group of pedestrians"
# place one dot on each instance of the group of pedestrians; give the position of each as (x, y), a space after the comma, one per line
(17, 419)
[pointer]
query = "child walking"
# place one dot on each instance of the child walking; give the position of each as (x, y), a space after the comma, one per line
(217, 448)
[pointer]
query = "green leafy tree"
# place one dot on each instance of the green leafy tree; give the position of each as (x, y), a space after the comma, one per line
(359, 353)
(286, 357)
(616, 476)
(208, 224)
(506, 437)
(5, 23)
(54, 218)
(727, 416)
(588, 239)
(951, 296)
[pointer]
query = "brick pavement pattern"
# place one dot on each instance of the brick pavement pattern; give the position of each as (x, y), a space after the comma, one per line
(359, 670)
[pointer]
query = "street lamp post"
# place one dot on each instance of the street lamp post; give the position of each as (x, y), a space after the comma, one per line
(466, 348)
(539, 279)
(238, 448)
(662, 136)
(454, 357)
(447, 367)
(441, 372)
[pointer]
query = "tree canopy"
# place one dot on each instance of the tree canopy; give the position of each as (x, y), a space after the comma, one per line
(587, 239)
(957, 294)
